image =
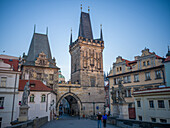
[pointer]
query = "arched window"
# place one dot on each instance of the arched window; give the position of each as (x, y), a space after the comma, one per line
(43, 98)
(32, 98)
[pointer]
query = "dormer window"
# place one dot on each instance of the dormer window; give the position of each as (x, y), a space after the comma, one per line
(32, 85)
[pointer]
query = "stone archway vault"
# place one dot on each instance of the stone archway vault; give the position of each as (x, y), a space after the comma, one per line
(79, 103)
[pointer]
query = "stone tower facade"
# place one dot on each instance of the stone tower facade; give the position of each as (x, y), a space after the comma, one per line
(87, 67)
(87, 56)
(38, 63)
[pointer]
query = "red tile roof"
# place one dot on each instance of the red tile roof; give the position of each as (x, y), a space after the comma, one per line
(39, 86)
(12, 62)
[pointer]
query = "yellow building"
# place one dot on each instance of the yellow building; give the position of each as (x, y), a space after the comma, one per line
(146, 71)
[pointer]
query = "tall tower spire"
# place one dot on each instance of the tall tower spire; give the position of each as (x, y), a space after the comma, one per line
(71, 37)
(34, 27)
(47, 31)
(101, 34)
(85, 29)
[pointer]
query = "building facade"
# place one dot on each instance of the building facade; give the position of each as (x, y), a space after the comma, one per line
(38, 64)
(153, 105)
(167, 68)
(146, 71)
(9, 80)
(42, 100)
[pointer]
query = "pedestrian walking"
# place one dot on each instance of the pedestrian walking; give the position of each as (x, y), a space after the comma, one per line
(104, 117)
(99, 118)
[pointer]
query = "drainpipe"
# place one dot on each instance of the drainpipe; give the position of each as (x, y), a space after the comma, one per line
(47, 102)
(14, 98)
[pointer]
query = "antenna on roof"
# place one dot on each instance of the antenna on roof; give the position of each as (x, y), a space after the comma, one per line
(81, 7)
(34, 27)
(47, 31)
(88, 9)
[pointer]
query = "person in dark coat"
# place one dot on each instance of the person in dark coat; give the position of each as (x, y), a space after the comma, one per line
(99, 120)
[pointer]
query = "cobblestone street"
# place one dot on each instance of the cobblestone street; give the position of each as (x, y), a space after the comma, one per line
(73, 122)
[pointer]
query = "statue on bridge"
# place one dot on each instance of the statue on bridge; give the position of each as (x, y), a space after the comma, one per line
(25, 94)
(121, 93)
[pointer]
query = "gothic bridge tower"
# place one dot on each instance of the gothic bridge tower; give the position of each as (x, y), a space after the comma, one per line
(87, 66)
(87, 56)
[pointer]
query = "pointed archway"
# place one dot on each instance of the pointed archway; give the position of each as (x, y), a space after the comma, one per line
(74, 101)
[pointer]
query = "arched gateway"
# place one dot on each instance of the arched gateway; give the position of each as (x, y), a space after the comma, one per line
(74, 101)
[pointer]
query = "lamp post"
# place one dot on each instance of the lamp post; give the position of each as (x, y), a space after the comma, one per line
(94, 108)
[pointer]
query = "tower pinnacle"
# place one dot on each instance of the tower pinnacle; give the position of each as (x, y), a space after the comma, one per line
(101, 34)
(71, 37)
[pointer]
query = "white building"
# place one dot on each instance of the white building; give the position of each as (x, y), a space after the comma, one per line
(153, 105)
(42, 100)
(9, 79)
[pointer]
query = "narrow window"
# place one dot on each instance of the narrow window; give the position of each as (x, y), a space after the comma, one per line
(161, 104)
(151, 104)
(92, 79)
(3, 81)
(147, 76)
(43, 98)
(158, 74)
(138, 103)
(148, 63)
(144, 63)
(125, 79)
(51, 77)
(32, 98)
(140, 118)
(120, 68)
(1, 102)
(136, 78)
(128, 79)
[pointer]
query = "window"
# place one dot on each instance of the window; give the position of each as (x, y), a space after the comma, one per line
(3, 81)
(153, 119)
(161, 104)
(92, 79)
(129, 93)
(151, 104)
(148, 63)
(157, 74)
(115, 81)
(32, 98)
(147, 76)
(138, 103)
(144, 63)
(43, 98)
(136, 78)
(51, 85)
(38, 76)
(32, 85)
(163, 120)
(125, 79)
(169, 103)
(128, 79)
(51, 77)
(140, 118)
(1, 102)
(117, 69)
(120, 68)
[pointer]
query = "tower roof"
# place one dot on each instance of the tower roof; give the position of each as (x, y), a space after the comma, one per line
(39, 44)
(85, 29)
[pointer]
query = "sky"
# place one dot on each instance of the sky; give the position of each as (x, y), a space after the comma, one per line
(128, 27)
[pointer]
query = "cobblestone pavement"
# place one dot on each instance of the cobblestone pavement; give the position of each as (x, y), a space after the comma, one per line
(74, 122)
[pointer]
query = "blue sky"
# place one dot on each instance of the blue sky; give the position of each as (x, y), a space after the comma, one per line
(128, 26)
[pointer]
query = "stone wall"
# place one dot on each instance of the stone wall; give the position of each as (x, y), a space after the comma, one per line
(36, 123)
